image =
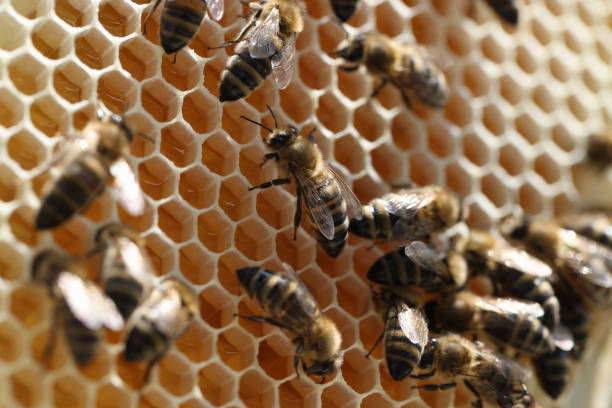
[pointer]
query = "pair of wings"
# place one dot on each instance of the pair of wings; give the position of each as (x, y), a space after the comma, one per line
(136, 262)
(519, 260)
(164, 307)
(413, 324)
(215, 9)
(263, 44)
(588, 259)
(429, 258)
(88, 303)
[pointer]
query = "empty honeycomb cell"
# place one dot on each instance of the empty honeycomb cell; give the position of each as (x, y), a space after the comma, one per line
(543, 98)
(161, 254)
(493, 119)
(492, 49)
(319, 285)
(314, 72)
(547, 168)
(296, 102)
(458, 179)
(540, 31)
(396, 390)
(572, 42)
(201, 111)
(197, 344)
(530, 199)
(28, 306)
(349, 153)
(25, 385)
(297, 393)
(139, 58)
(176, 220)
(511, 160)
(562, 138)
(475, 149)
(11, 109)
(353, 85)
(118, 17)
(51, 40)
(255, 390)
(219, 154)
(12, 264)
(236, 348)
(27, 74)
(332, 113)
(49, 116)
(198, 187)
(227, 265)
(590, 80)
(195, 264)
(217, 384)
(160, 101)
(525, 59)
(478, 218)
(208, 35)
(368, 122)
(178, 144)
(389, 21)
(338, 395)
(131, 373)
(370, 329)
(175, 375)
(110, 395)
(94, 49)
(157, 179)
(388, 162)
(184, 74)
(21, 222)
(558, 70)
(275, 357)
(458, 40)
(555, 7)
(69, 392)
(528, 128)
(476, 80)
(376, 401)
(8, 183)
(71, 82)
(367, 188)
(563, 205)
(353, 296)
(100, 366)
(12, 33)
(424, 28)
(216, 307)
(458, 110)
(73, 236)
(235, 198)
(251, 166)
(510, 90)
(117, 91)
(153, 399)
(358, 371)
(494, 189)
(193, 403)
(57, 358)
(440, 141)
(251, 240)
(577, 108)
(330, 34)
(81, 117)
(406, 131)
(31, 8)
(423, 170)
(215, 231)
(76, 13)
(11, 342)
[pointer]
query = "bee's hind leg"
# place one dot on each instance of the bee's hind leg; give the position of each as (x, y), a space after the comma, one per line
(269, 156)
(379, 88)
(478, 402)
(268, 184)
(144, 23)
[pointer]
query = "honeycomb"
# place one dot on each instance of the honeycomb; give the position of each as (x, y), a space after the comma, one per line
(510, 139)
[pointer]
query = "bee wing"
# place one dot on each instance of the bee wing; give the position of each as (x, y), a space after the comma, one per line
(353, 206)
(563, 338)
(215, 9)
(321, 215)
(283, 64)
(592, 261)
(264, 37)
(428, 258)
(165, 310)
(505, 306)
(520, 260)
(129, 194)
(137, 263)
(413, 325)
(406, 206)
(88, 303)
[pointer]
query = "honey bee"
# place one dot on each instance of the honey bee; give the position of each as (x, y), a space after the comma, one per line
(403, 66)
(86, 164)
(291, 306)
(163, 317)
(599, 149)
(583, 263)
(127, 274)
(80, 306)
(421, 265)
(505, 9)
(405, 331)
(510, 321)
(181, 19)
(596, 225)
(344, 9)
(552, 370)
(488, 375)
(514, 272)
(408, 214)
(265, 45)
(327, 200)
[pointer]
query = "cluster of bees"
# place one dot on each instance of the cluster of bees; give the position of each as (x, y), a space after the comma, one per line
(443, 287)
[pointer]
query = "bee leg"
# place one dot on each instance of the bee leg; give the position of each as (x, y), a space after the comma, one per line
(298, 353)
(269, 156)
(375, 344)
(404, 97)
(50, 346)
(144, 23)
(478, 402)
(264, 319)
(398, 186)
(268, 184)
(174, 60)
(149, 368)
(297, 218)
(436, 387)
(379, 88)
(240, 35)
(423, 376)
(349, 69)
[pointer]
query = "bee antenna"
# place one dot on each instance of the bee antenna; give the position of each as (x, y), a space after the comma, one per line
(146, 137)
(257, 123)
(311, 137)
(273, 116)
(99, 110)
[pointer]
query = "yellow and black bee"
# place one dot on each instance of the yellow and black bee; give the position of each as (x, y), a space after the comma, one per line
(505, 9)
(163, 317)
(181, 19)
(422, 265)
(599, 149)
(403, 66)
(552, 370)
(510, 321)
(596, 225)
(408, 214)
(514, 272)
(265, 45)
(80, 306)
(344, 9)
(291, 306)
(327, 200)
(127, 274)
(86, 163)
(488, 375)
(405, 331)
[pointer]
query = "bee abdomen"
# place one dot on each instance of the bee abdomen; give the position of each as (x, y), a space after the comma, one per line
(242, 75)
(505, 9)
(539, 291)
(527, 334)
(553, 371)
(179, 23)
(395, 268)
(81, 340)
(145, 341)
(84, 179)
(375, 222)
(125, 292)
(401, 354)
(344, 9)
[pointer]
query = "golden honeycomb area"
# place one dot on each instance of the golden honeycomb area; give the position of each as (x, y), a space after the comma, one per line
(511, 139)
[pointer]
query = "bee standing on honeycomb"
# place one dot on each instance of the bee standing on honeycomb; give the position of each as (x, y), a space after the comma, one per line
(328, 201)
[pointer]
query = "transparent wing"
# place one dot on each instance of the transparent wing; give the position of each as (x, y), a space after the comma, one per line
(164, 308)
(563, 338)
(215, 9)
(591, 261)
(137, 263)
(129, 194)
(88, 303)
(504, 306)
(353, 206)
(429, 258)
(406, 204)
(519, 260)
(319, 212)
(263, 41)
(413, 325)
(283, 64)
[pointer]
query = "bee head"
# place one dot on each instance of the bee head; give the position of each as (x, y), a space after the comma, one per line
(322, 348)
(351, 49)
(281, 138)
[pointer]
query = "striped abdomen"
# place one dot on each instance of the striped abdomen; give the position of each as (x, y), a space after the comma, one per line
(375, 222)
(552, 370)
(344, 9)
(280, 296)
(125, 292)
(81, 340)
(180, 21)
(242, 74)
(145, 341)
(82, 181)
(402, 355)
(505, 9)
(526, 333)
(395, 268)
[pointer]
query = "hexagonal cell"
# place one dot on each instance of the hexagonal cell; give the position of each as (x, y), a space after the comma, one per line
(117, 91)
(475, 149)
(11, 108)
(358, 371)
(201, 111)
(478, 218)
(176, 220)
(440, 141)
(160, 100)
(217, 384)
(367, 188)
(110, 395)
(368, 122)
(157, 179)
(572, 42)
(353, 85)
(94, 49)
(31, 8)
(11, 342)
(530, 199)
(559, 70)
(376, 401)
(298, 252)
(251, 239)
(424, 28)
(69, 392)
(219, 154)
(389, 21)
(577, 108)
(528, 128)
(591, 80)
(256, 390)
(198, 187)
(28, 306)
(510, 90)
(494, 189)
(118, 17)
(212, 75)
(525, 59)
(153, 399)
(101, 364)
(76, 13)
(184, 74)
(48, 116)
(493, 120)
(458, 40)
(161, 254)
(388, 162)
(178, 144)
(25, 149)
(51, 40)
(12, 33)
(21, 222)
(314, 72)
(540, 31)
(27, 74)
(476, 80)
(236, 348)
(458, 110)
(397, 390)
(349, 153)
(492, 50)
(423, 170)
(459, 179)
(73, 236)
(197, 344)
(235, 199)
(131, 373)
(338, 395)
(543, 98)
(216, 307)
(138, 57)
(563, 205)
(195, 264)
(71, 82)
(562, 138)
(353, 296)
(547, 168)
(275, 356)
(296, 102)
(26, 384)
(332, 113)
(12, 265)
(511, 159)
(406, 131)
(250, 162)
(370, 329)
(215, 231)
(226, 268)
(175, 375)
(297, 393)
